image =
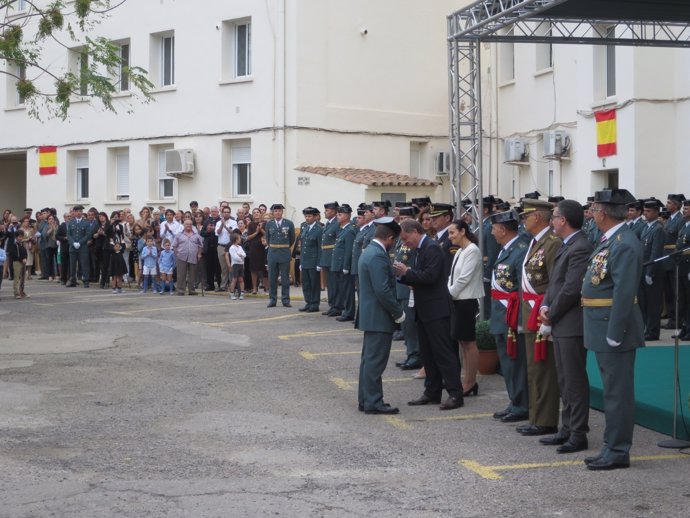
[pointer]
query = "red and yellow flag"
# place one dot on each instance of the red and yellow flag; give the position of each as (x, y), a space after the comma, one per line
(606, 133)
(47, 160)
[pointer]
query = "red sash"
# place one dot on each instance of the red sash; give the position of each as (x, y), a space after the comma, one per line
(512, 313)
(533, 325)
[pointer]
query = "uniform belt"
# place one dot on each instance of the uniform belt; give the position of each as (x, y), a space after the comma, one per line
(279, 246)
(327, 247)
(669, 247)
(599, 303)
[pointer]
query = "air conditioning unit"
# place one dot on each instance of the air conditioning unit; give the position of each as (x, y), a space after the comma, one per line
(443, 163)
(556, 143)
(179, 162)
(514, 150)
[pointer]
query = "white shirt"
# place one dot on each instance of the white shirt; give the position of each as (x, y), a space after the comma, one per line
(465, 280)
(170, 230)
(222, 233)
(613, 230)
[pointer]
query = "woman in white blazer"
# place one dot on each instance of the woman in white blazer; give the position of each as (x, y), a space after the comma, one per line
(466, 287)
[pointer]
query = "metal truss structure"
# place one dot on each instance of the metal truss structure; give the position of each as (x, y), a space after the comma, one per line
(593, 22)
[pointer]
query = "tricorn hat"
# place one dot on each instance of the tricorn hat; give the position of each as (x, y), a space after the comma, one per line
(388, 222)
(614, 197)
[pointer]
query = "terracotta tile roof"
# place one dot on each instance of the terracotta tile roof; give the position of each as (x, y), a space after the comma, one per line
(369, 176)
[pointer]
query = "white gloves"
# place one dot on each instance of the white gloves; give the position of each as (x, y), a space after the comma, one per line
(401, 319)
(318, 268)
(545, 330)
(300, 267)
(648, 280)
(37, 235)
(612, 343)
(76, 246)
(346, 272)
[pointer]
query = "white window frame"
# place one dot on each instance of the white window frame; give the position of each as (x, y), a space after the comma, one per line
(167, 62)
(163, 178)
(544, 51)
(122, 187)
(123, 79)
(81, 173)
(240, 156)
(246, 51)
(22, 6)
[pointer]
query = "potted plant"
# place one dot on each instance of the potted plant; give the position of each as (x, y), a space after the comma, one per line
(488, 357)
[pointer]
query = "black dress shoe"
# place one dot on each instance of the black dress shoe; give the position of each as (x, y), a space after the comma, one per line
(650, 338)
(669, 325)
(288, 305)
(360, 408)
(452, 403)
(386, 410)
(400, 364)
(271, 305)
(326, 313)
(398, 335)
(410, 366)
(344, 319)
(334, 314)
(501, 413)
(572, 447)
(424, 400)
(607, 465)
(514, 418)
(313, 310)
(539, 430)
(554, 440)
(521, 428)
(593, 458)
(71, 285)
(305, 308)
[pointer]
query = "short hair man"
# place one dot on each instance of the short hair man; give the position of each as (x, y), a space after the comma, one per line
(651, 292)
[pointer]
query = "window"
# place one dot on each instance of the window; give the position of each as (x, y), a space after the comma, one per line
(507, 60)
(22, 5)
(544, 50)
(168, 61)
(162, 59)
(166, 185)
(610, 64)
(416, 159)
(16, 72)
(241, 170)
(236, 49)
(123, 75)
(122, 174)
(83, 73)
(21, 74)
(82, 176)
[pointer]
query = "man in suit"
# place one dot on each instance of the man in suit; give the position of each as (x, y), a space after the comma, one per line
(675, 222)
(330, 231)
(310, 256)
(613, 323)
(280, 236)
(341, 264)
(380, 312)
(652, 284)
(562, 312)
(433, 307)
(61, 237)
(634, 219)
(503, 324)
(79, 232)
(542, 381)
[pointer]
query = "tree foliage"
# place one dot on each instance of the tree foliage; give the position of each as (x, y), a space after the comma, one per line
(29, 26)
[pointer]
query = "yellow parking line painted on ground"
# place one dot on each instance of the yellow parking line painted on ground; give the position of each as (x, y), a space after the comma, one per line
(312, 356)
(398, 422)
(492, 472)
(341, 384)
(167, 308)
(233, 322)
(317, 333)
(453, 417)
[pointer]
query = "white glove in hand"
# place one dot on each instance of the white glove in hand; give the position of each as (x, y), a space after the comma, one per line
(648, 280)
(545, 330)
(300, 267)
(346, 272)
(318, 268)
(612, 343)
(76, 246)
(401, 319)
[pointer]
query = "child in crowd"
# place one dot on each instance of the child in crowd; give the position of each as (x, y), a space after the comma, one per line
(17, 256)
(166, 264)
(149, 260)
(234, 258)
(118, 266)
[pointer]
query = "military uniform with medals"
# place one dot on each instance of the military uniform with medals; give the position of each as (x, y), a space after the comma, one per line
(280, 236)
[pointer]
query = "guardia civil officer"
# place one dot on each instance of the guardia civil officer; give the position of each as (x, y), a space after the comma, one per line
(613, 323)
(684, 268)
(78, 234)
(310, 238)
(672, 227)
(341, 264)
(652, 283)
(635, 220)
(280, 236)
(380, 312)
(330, 230)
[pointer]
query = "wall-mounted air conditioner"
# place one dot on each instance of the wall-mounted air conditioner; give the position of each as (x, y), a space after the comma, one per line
(515, 150)
(179, 162)
(556, 143)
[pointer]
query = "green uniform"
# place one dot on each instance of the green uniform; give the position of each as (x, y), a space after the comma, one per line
(341, 266)
(279, 237)
(404, 255)
(330, 230)
(310, 258)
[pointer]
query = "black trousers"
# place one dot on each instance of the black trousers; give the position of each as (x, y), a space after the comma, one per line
(346, 294)
(212, 268)
(82, 257)
(652, 303)
(311, 287)
(440, 358)
(64, 263)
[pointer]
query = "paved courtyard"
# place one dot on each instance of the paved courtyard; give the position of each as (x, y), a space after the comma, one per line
(146, 405)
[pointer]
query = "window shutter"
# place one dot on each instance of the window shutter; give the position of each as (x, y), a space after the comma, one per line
(241, 155)
(122, 173)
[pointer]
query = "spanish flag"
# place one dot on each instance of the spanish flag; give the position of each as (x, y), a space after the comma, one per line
(606, 133)
(47, 160)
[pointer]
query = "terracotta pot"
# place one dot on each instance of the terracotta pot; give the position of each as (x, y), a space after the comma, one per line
(488, 362)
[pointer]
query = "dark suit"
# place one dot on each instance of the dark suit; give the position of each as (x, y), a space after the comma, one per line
(379, 310)
(330, 232)
(565, 313)
(610, 311)
(433, 309)
(651, 294)
(310, 255)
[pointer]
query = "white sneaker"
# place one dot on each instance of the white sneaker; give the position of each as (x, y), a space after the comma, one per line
(115, 290)
(242, 296)
(233, 297)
